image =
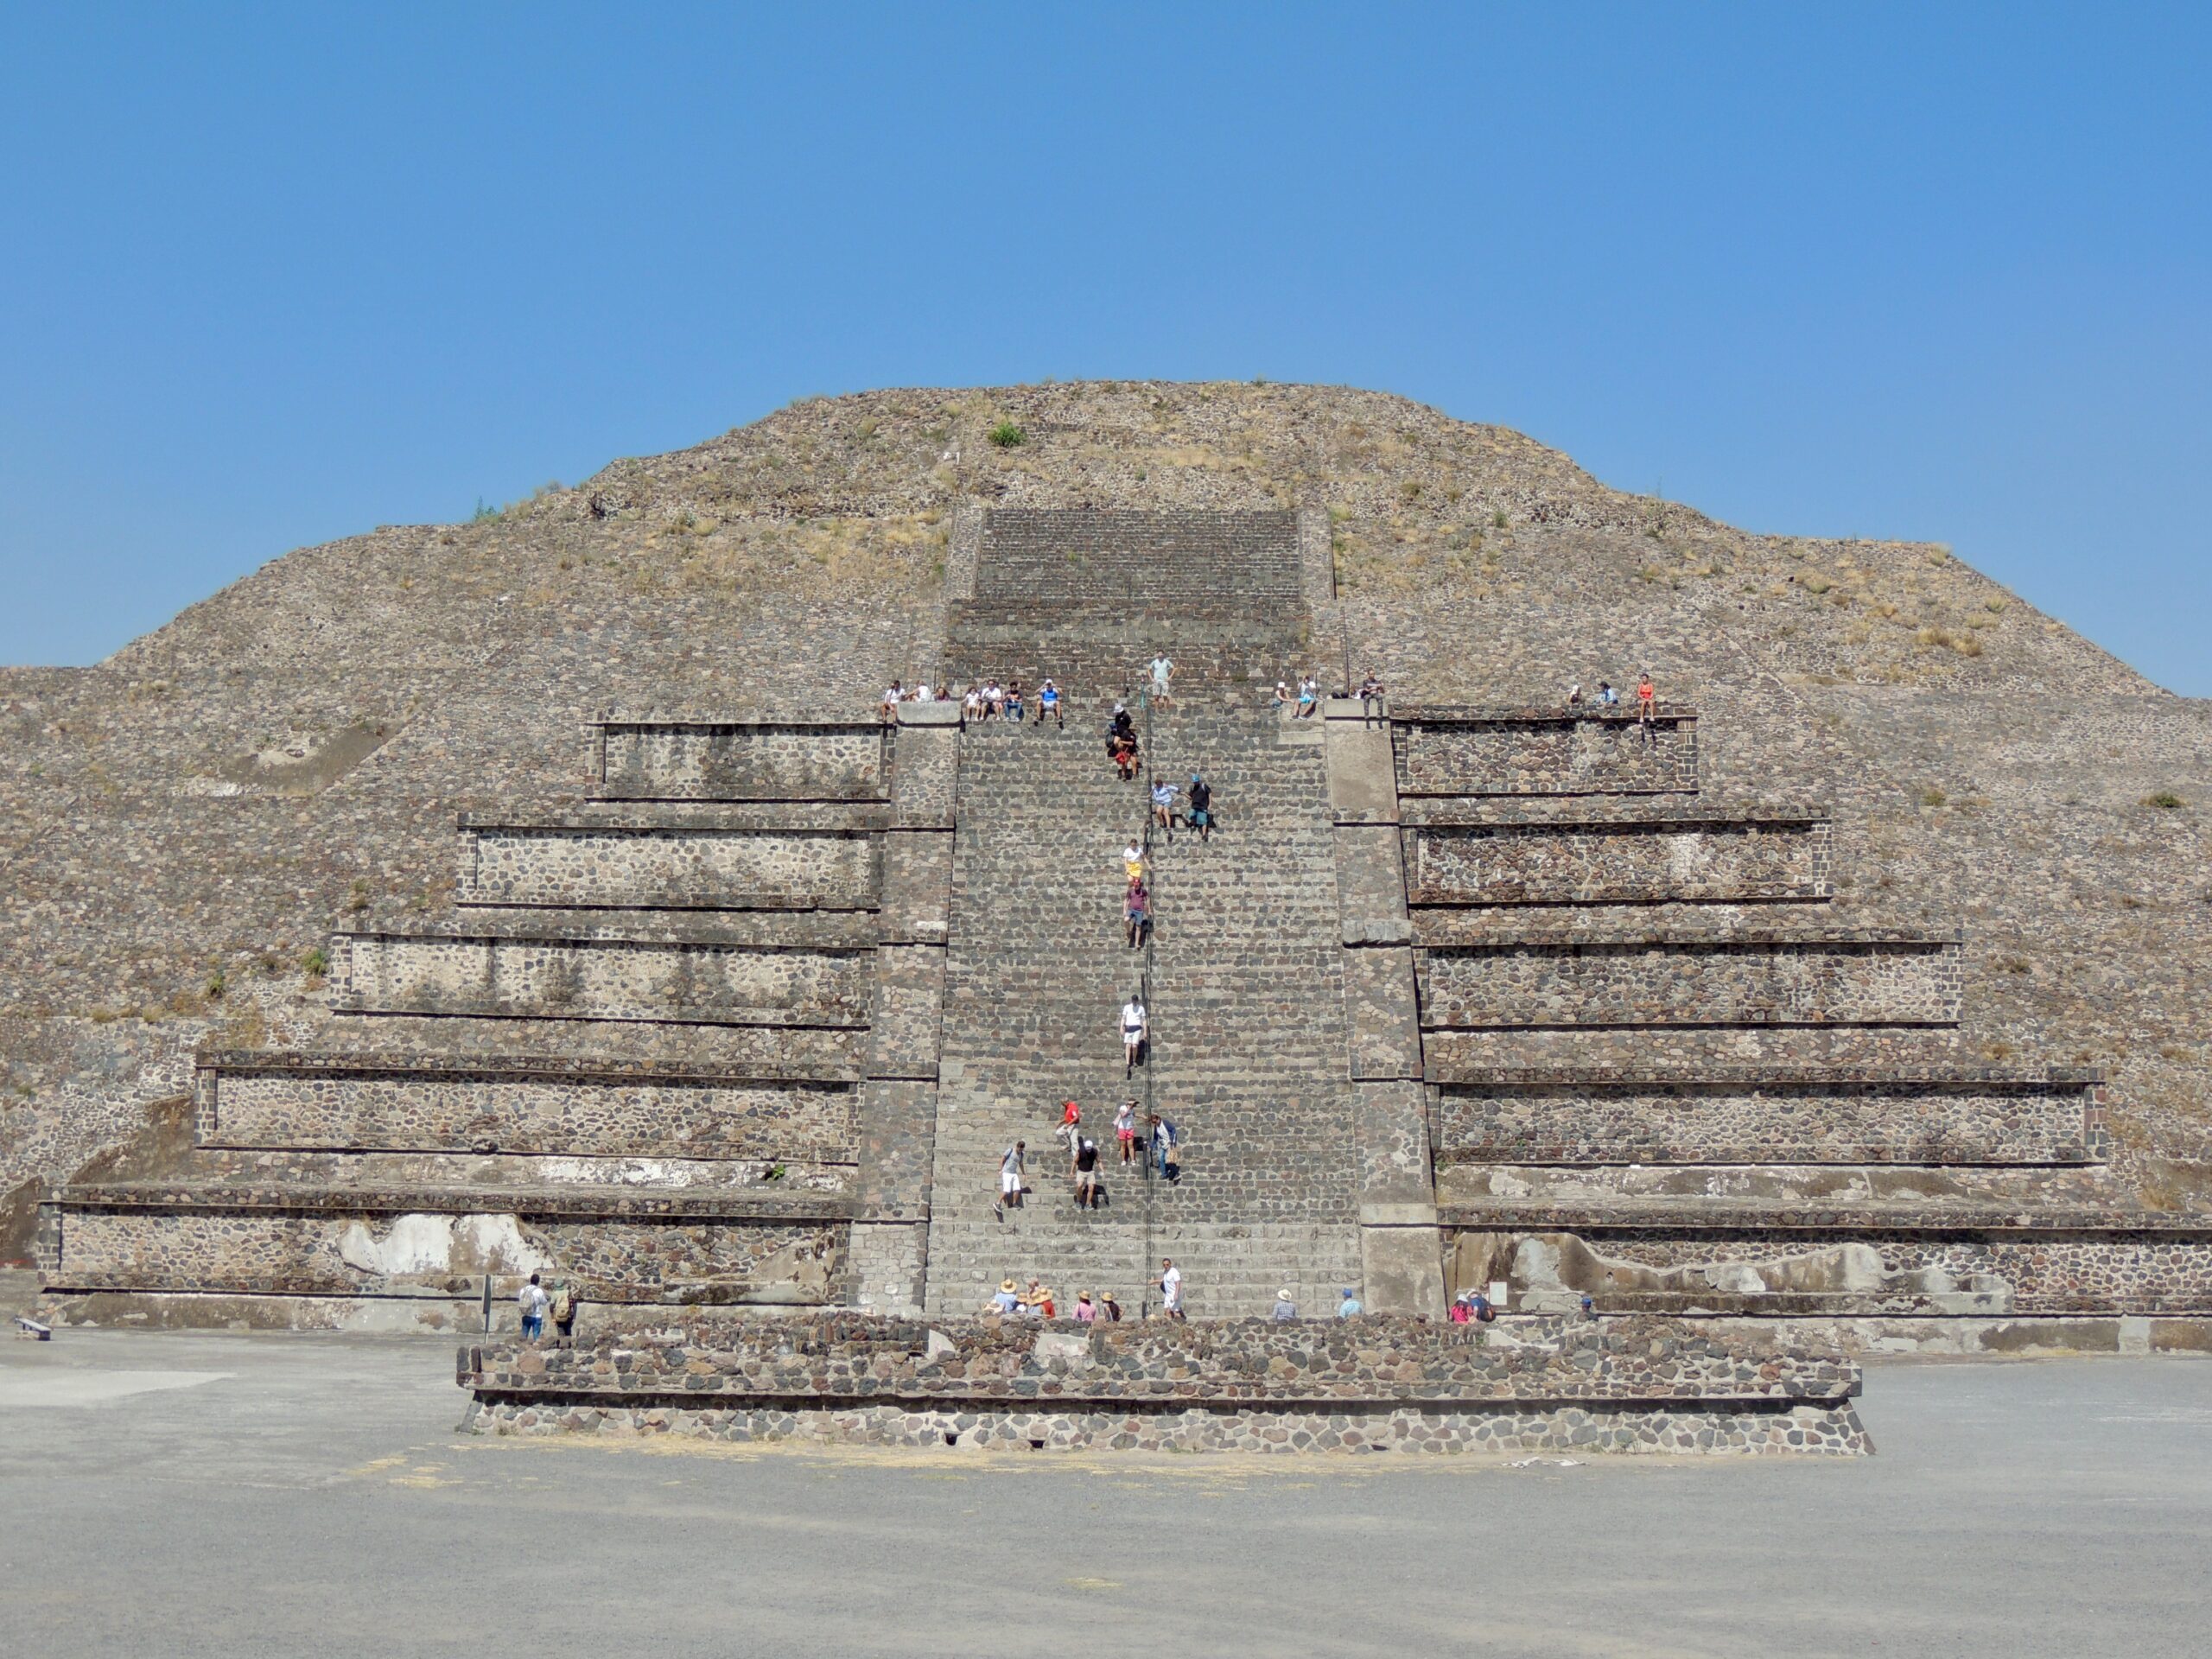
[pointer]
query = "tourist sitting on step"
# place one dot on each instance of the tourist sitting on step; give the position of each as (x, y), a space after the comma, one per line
(1048, 705)
(993, 701)
(1084, 1167)
(1309, 698)
(1037, 1301)
(971, 705)
(1278, 699)
(1200, 815)
(892, 699)
(1607, 697)
(1163, 805)
(922, 694)
(1007, 1299)
(1122, 750)
(1133, 1033)
(1136, 913)
(1013, 702)
(1286, 1308)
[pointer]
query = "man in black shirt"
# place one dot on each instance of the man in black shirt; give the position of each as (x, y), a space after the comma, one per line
(1199, 814)
(1086, 1172)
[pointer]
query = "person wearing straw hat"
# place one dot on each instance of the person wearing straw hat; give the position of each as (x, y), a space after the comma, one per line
(1005, 1301)
(1285, 1306)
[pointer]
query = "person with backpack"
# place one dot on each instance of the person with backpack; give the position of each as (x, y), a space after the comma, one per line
(1199, 817)
(533, 1300)
(564, 1315)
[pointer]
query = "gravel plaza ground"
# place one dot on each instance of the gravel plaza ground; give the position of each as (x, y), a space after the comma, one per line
(188, 1493)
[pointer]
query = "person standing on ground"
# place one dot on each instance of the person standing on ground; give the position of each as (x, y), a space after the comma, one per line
(1200, 815)
(1646, 698)
(1125, 1131)
(533, 1300)
(1163, 806)
(1048, 705)
(1010, 1173)
(1086, 1310)
(1084, 1167)
(1109, 1307)
(1162, 671)
(1348, 1304)
(1171, 1288)
(1133, 1024)
(564, 1315)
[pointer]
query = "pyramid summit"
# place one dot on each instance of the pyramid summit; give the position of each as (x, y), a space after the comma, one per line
(550, 893)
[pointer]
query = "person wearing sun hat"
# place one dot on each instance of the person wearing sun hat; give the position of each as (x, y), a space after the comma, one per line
(1285, 1306)
(1007, 1299)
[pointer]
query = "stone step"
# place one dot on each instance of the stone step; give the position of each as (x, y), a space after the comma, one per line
(618, 1244)
(1864, 977)
(1671, 860)
(551, 1108)
(1716, 1185)
(1985, 1117)
(1703, 1257)
(1543, 751)
(581, 863)
(670, 758)
(393, 1042)
(600, 976)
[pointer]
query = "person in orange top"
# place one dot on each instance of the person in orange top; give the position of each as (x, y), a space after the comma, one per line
(1645, 697)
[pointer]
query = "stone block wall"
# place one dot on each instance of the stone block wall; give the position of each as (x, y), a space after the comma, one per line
(1663, 982)
(640, 867)
(600, 979)
(1544, 752)
(1774, 1120)
(575, 1113)
(250, 1249)
(1176, 563)
(716, 761)
(1666, 860)
(1853, 1263)
(1368, 1384)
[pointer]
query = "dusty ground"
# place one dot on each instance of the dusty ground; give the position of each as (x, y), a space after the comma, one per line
(191, 1493)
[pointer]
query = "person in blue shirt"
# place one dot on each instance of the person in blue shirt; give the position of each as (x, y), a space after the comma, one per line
(1048, 704)
(1349, 1307)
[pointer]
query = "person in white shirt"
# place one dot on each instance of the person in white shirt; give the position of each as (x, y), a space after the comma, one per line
(892, 699)
(1171, 1288)
(923, 694)
(533, 1298)
(1010, 1173)
(1132, 1034)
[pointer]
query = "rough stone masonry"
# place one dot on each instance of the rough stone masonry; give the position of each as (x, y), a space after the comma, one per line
(735, 998)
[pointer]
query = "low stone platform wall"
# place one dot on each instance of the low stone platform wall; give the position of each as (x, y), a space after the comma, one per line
(1368, 1384)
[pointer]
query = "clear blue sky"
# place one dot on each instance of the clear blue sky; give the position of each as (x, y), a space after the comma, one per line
(274, 274)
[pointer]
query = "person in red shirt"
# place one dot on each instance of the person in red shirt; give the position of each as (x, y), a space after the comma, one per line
(1645, 698)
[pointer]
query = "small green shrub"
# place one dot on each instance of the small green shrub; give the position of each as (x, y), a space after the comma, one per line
(2165, 800)
(1932, 798)
(316, 963)
(1497, 519)
(1007, 435)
